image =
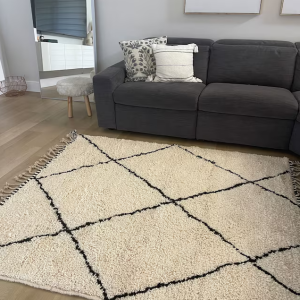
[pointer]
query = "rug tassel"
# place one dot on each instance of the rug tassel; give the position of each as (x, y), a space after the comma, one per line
(5, 192)
(295, 174)
(10, 188)
(30, 171)
(38, 165)
(17, 179)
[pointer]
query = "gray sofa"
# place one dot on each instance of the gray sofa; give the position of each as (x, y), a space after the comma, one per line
(250, 95)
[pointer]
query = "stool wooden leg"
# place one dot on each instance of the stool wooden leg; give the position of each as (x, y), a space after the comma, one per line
(70, 107)
(88, 105)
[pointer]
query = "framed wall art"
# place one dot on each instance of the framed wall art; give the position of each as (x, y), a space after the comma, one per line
(290, 7)
(223, 6)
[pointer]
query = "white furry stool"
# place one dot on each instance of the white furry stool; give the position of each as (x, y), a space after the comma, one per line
(76, 87)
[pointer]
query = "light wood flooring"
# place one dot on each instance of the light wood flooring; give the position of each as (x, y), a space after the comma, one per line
(29, 126)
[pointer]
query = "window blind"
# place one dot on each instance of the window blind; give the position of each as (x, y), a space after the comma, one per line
(66, 17)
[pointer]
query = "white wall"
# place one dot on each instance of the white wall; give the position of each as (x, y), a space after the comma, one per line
(16, 30)
(133, 19)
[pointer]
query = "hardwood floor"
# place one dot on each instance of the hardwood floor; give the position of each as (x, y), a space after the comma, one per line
(29, 126)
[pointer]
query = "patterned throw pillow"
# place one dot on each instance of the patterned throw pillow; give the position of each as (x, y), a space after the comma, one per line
(174, 63)
(139, 58)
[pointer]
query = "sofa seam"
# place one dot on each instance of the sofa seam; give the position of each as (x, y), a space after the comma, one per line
(270, 46)
(147, 107)
(269, 118)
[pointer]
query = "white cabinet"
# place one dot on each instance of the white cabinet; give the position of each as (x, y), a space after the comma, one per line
(53, 57)
(87, 57)
(73, 56)
(57, 56)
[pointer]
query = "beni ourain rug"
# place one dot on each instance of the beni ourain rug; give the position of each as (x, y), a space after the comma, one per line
(113, 219)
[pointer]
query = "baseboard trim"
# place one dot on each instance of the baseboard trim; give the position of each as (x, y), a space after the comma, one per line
(33, 86)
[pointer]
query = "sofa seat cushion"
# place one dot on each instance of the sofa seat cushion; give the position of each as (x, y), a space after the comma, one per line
(249, 100)
(170, 95)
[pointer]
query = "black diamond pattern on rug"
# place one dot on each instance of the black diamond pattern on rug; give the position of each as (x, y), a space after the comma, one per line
(191, 191)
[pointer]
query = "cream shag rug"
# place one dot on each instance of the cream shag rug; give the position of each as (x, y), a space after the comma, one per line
(116, 219)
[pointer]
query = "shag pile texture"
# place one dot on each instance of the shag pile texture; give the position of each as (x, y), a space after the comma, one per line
(117, 219)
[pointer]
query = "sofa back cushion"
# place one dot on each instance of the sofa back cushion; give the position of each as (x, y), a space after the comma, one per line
(296, 84)
(267, 63)
(201, 58)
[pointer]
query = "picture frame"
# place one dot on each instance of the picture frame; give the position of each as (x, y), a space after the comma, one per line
(290, 8)
(253, 7)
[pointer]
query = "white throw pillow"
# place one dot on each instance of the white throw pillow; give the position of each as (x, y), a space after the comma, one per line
(174, 63)
(139, 58)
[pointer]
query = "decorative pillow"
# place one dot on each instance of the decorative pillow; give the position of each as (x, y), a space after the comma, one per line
(139, 58)
(174, 63)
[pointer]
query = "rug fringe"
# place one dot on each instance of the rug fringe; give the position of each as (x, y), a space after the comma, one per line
(11, 188)
(295, 174)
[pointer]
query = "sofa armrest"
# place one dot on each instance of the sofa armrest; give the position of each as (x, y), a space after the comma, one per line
(296, 83)
(297, 96)
(105, 84)
(295, 139)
